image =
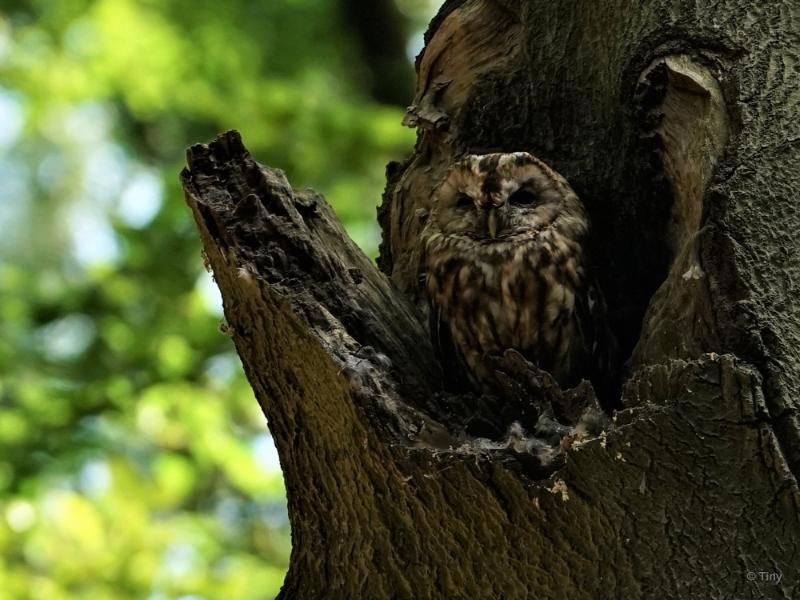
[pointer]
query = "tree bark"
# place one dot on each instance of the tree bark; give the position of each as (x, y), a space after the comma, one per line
(676, 123)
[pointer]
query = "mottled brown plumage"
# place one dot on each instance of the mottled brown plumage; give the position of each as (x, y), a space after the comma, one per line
(503, 262)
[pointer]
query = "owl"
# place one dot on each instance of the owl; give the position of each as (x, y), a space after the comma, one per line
(503, 268)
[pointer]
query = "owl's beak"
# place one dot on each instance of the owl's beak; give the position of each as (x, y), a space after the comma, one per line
(492, 222)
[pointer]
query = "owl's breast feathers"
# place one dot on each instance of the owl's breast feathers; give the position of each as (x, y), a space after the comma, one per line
(521, 294)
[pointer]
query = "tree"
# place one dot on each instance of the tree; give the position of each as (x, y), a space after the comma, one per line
(675, 122)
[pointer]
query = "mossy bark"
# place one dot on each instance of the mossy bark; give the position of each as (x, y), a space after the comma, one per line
(676, 122)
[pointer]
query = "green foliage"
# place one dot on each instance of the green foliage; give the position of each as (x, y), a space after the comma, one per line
(134, 461)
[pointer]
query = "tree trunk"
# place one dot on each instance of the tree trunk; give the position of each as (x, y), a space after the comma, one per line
(676, 123)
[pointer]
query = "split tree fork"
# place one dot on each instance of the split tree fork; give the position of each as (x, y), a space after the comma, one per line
(677, 124)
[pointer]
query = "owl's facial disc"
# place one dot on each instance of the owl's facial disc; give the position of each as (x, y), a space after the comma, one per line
(495, 199)
(503, 214)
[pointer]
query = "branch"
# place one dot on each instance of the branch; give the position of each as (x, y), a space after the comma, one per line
(266, 240)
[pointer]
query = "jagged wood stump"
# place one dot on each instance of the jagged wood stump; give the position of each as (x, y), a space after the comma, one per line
(676, 123)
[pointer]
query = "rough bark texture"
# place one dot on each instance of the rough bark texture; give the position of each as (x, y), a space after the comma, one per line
(676, 122)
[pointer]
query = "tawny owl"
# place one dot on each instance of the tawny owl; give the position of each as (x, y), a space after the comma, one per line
(504, 268)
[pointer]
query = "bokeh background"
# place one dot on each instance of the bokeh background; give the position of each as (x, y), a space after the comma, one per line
(134, 460)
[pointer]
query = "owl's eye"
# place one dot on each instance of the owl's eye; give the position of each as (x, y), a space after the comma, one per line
(523, 197)
(463, 201)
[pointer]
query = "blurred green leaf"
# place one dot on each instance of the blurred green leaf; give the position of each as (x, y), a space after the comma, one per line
(134, 460)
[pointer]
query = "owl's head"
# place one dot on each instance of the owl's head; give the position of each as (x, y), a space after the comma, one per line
(500, 198)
